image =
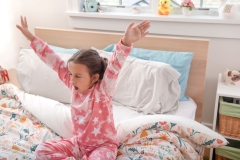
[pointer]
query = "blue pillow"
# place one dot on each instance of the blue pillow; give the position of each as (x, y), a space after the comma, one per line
(63, 50)
(181, 61)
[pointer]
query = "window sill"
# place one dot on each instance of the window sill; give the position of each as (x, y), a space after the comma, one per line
(196, 25)
(154, 17)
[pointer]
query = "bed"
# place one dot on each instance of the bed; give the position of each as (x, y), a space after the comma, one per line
(71, 39)
(27, 119)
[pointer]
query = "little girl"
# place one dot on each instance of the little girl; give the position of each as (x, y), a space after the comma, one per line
(91, 82)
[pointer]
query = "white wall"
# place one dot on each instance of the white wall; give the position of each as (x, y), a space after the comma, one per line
(44, 13)
(8, 41)
(223, 52)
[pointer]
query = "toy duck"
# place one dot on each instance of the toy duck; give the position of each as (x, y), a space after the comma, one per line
(164, 7)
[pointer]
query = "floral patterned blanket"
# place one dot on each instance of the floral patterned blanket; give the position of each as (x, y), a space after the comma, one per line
(150, 137)
(20, 131)
(165, 140)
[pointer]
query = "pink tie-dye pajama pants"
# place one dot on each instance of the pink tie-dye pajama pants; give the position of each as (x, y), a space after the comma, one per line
(70, 149)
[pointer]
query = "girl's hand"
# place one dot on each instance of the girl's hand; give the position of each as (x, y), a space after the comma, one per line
(133, 34)
(24, 29)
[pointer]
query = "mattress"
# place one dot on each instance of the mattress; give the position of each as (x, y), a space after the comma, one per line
(186, 109)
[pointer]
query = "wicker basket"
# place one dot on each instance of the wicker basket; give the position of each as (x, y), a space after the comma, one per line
(229, 152)
(217, 157)
(229, 119)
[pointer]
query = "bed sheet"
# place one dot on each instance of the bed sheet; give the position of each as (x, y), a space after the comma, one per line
(121, 113)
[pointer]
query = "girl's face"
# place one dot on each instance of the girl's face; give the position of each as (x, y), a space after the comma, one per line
(80, 77)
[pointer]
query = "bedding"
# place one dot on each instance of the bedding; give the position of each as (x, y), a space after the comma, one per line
(153, 137)
(22, 129)
(157, 88)
(55, 114)
(121, 113)
(35, 77)
(181, 61)
(146, 86)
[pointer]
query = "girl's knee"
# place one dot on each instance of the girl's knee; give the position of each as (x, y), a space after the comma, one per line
(38, 151)
(103, 153)
(41, 151)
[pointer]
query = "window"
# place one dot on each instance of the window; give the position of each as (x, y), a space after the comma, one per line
(212, 3)
(125, 2)
(174, 3)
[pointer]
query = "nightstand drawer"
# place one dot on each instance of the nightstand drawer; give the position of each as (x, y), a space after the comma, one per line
(229, 119)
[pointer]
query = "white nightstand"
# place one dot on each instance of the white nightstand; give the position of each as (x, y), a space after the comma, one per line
(223, 90)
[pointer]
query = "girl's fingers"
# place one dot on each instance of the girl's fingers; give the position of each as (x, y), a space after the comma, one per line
(25, 20)
(142, 24)
(19, 27)
(145, 25)
(145, 34)
(139, 25)
(130, 25)
(145, 28)
(22, 23)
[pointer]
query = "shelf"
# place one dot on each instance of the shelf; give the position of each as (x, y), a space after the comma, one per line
(155, 17)
(238, 139)
(223, 90)
(228, 137)
(228, 91)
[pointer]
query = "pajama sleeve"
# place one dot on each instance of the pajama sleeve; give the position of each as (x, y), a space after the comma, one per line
(47, 55)
(113, 68)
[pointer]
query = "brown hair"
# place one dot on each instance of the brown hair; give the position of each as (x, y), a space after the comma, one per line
(91, 59)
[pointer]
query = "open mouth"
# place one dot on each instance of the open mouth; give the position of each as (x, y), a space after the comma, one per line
(76, 88)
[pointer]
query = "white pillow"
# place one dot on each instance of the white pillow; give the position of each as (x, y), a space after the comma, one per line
(53, 114)
(147, 92)
(35, 77)
(146, 86)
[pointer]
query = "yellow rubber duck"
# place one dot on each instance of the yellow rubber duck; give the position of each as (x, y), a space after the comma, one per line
(164, 7)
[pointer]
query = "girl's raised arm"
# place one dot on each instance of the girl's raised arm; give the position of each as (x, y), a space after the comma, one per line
(45, 53)
(24, 29)
(123, 48)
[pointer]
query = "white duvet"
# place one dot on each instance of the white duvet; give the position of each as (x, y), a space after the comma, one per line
(57, 115)
(146, 86)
